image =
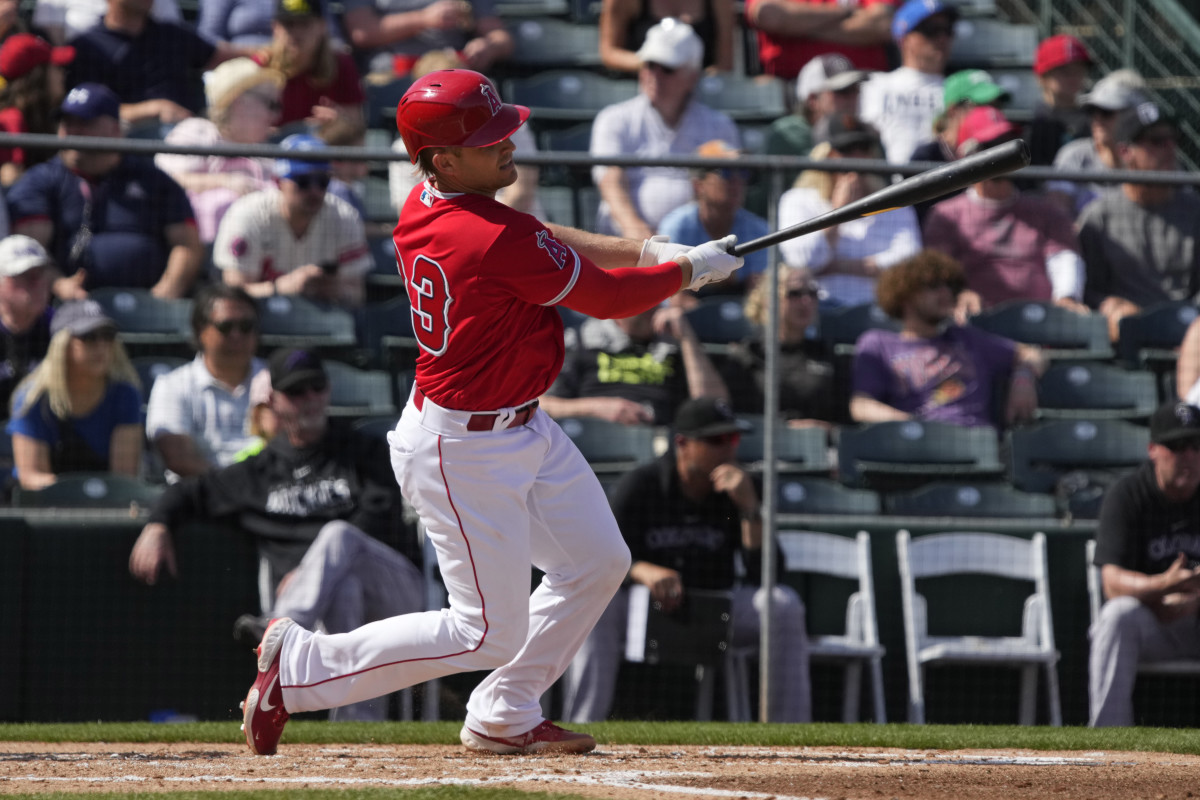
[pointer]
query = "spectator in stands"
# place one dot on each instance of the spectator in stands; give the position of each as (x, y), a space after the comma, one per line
(962, 91)
(393, 34)
(1141, 244)
(322, 507)
(717, 212)
(153, 67)
(80, 410)
(793, 32)
(31, 87)
(1147, 549)
(684, 516)
(933, 369)
(1061, 65)
(624, 23)
(848, 257)
(1187, 367)
(24, 311)
(63, 20)
(12, 21)
(402, 176)
(244, 23)
(635, 371)
(322, 83)
(108, 219)
(903, 104)
(295, 239)
(196, 417)
(1012, 245)
(1113, 93)
(828, 86)
(243, 104)
(806, 390)
(664, 119)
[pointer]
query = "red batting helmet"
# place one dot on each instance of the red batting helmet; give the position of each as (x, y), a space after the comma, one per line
(455, 108)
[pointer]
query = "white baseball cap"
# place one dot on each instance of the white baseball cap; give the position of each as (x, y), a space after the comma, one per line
(830, 72)
(673, 44)
(19, 254)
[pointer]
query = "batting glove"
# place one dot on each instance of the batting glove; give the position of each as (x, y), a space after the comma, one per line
(659, 250)
(711, 262)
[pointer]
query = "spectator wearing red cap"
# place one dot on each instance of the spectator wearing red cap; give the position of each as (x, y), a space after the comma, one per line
(31, 87)
(1012, 245)
(1061, 65)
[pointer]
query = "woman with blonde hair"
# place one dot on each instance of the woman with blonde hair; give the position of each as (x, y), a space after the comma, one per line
(243, 106)
(848, 257)
(80, 409)
(806, 390)
(322, 83)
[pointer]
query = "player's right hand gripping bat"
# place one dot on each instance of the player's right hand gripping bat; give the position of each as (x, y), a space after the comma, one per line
(990, 163)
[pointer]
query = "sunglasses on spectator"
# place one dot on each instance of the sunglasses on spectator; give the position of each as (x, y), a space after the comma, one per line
(807, 291)
(1183, 445)
(228, 326)
(317, 385)
(99, 335)
(934, 30)
(663, 68)
(722, 439)
(308, 182)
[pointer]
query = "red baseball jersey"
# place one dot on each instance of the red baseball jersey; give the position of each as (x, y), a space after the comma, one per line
(784, 56)
(482, 281)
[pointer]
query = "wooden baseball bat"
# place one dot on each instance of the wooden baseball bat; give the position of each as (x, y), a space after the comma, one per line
(990, 163)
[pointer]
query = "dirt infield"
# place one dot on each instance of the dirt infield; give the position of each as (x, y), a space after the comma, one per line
(621, 772)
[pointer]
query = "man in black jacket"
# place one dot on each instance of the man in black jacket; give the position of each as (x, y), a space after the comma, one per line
(322, 507)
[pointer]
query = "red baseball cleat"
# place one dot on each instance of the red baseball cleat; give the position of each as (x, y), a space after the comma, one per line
(263, 714)
(545, 738)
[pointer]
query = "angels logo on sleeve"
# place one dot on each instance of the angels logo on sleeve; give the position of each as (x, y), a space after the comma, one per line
(559, 252)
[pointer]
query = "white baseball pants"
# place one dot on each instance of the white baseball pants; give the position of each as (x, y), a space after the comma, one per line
(492, 503)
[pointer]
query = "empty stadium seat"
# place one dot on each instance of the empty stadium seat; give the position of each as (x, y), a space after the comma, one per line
(547, 43)
(743, 98)
(568, 95)
(956, 499)
(1043, 453)
(1094, 391)
(1059, 332)
(891, 456)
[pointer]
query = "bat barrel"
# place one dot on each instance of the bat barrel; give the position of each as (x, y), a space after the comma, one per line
(933, 183)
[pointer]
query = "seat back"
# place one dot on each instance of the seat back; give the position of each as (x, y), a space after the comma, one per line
(358, 392)
(1062, 333)
(381, 100)
(956, 499)
(816, 495)
(797, 450)
(568, 95)
(840, 557)
(1154, 334)
(887, 455)
(841, 327)
(609, 446)
(151, 368)
(291, 321)
(1093, 390)
(1043, 453)
(719, 321)
(89, 490)
(548, 43)
(980, 41)
(759, 98)
(148, 325)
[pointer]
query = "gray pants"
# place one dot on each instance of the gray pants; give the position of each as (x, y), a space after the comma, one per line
(1125, 634)
(590, 682)
(345, 580)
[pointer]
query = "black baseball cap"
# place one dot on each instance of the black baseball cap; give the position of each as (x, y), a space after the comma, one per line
(707, 416)
(846, 132)
(1134, 121)
(1175, 421)
(299, 9)
(293, 366)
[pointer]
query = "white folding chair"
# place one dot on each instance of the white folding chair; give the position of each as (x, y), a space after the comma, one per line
(842, 557)
(1178, 666)
(981, 554)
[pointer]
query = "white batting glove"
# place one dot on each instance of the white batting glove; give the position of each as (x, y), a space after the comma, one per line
(659, 250)
(711, 262)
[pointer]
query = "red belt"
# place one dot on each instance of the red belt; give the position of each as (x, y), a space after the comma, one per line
(485, 422)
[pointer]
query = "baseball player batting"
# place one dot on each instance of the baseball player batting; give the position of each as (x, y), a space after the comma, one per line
(497, 484)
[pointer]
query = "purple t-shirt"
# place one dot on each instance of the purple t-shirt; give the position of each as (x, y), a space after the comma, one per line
(1002, 247)
(949, 378)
